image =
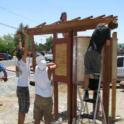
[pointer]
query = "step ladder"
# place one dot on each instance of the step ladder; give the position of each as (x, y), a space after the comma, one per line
(96, 100)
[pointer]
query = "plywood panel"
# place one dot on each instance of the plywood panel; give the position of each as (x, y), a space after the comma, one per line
(61, 59)
(82, 44)
(61, 55)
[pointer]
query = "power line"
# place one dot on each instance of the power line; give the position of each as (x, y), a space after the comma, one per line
(9, 26)
(16, 14)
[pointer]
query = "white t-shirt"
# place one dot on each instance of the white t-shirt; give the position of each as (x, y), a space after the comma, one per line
(23, 74)
(42, 83)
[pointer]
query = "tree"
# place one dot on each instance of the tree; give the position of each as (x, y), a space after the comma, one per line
(21, 27)
(48, 44)
(7, 43)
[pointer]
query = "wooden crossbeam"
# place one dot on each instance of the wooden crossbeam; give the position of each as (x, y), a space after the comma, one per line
(76, 19)
(88, 17)
(58, 22)
(73, 25)
(99, 17)
(42, 24)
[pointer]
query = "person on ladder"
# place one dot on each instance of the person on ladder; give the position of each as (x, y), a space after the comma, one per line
(92, 59)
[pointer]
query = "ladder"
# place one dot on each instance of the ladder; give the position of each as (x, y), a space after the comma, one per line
(96, 101)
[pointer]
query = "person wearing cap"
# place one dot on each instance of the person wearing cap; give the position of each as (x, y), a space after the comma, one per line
(22, 73)
(4, 73)
(43, 91)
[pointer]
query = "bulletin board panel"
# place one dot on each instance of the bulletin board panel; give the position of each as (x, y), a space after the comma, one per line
(61, 53)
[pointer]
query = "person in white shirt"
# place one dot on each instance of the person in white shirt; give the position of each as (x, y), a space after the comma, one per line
(43, 91)
(22, 72)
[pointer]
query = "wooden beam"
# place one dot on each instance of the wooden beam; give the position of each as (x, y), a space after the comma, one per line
(114, 74)
(70, 85)
(76, 25)
(89, 17)
(77, 18)
(33, 52)
(57, 22)
(55, 90)
(74, 75)
(99, 17)
(38, 26)
(106, 79)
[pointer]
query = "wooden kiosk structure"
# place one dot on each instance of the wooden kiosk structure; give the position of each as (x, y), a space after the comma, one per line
(64, 51)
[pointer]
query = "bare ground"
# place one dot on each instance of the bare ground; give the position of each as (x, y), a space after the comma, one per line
(9, 104)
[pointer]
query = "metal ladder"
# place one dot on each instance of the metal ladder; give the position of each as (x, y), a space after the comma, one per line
(84, 105)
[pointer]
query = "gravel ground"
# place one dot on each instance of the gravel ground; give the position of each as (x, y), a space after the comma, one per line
(9, 106)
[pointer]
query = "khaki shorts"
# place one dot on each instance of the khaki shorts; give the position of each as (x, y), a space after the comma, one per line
(43, 108)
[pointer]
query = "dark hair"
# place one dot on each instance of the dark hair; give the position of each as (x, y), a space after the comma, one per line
(19, 53)
(113, 25)
(63, 14)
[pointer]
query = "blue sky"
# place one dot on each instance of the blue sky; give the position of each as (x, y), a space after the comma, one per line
(34, 12)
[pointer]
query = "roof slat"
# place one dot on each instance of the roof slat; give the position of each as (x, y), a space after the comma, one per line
(42, 24)
(72, 25)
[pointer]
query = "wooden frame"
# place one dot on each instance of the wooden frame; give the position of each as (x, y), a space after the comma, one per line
(71, 27)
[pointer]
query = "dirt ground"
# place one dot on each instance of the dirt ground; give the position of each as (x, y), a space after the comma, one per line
(9, 104)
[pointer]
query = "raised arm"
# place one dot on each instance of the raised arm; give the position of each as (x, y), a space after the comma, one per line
(25, 46)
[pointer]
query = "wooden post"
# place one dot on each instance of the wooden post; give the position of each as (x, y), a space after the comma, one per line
(74, 75)
(55, 91)
(114, 73)
(70, 84)
(33, 52)
(55, 99)
(106, 79)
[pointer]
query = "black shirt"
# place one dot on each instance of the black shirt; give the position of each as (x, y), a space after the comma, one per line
(99, 37)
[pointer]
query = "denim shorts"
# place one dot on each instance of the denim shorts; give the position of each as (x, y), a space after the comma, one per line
(23, 99)
(92, 62)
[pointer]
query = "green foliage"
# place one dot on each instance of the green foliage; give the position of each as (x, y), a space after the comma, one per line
(7, 44)
(21, 27)
(48, 44)
(44, 47)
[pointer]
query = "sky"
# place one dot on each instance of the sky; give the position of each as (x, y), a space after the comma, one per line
(35, 12)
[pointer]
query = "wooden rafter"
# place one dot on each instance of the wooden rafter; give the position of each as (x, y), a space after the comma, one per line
(72, 25)
(42, 24)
